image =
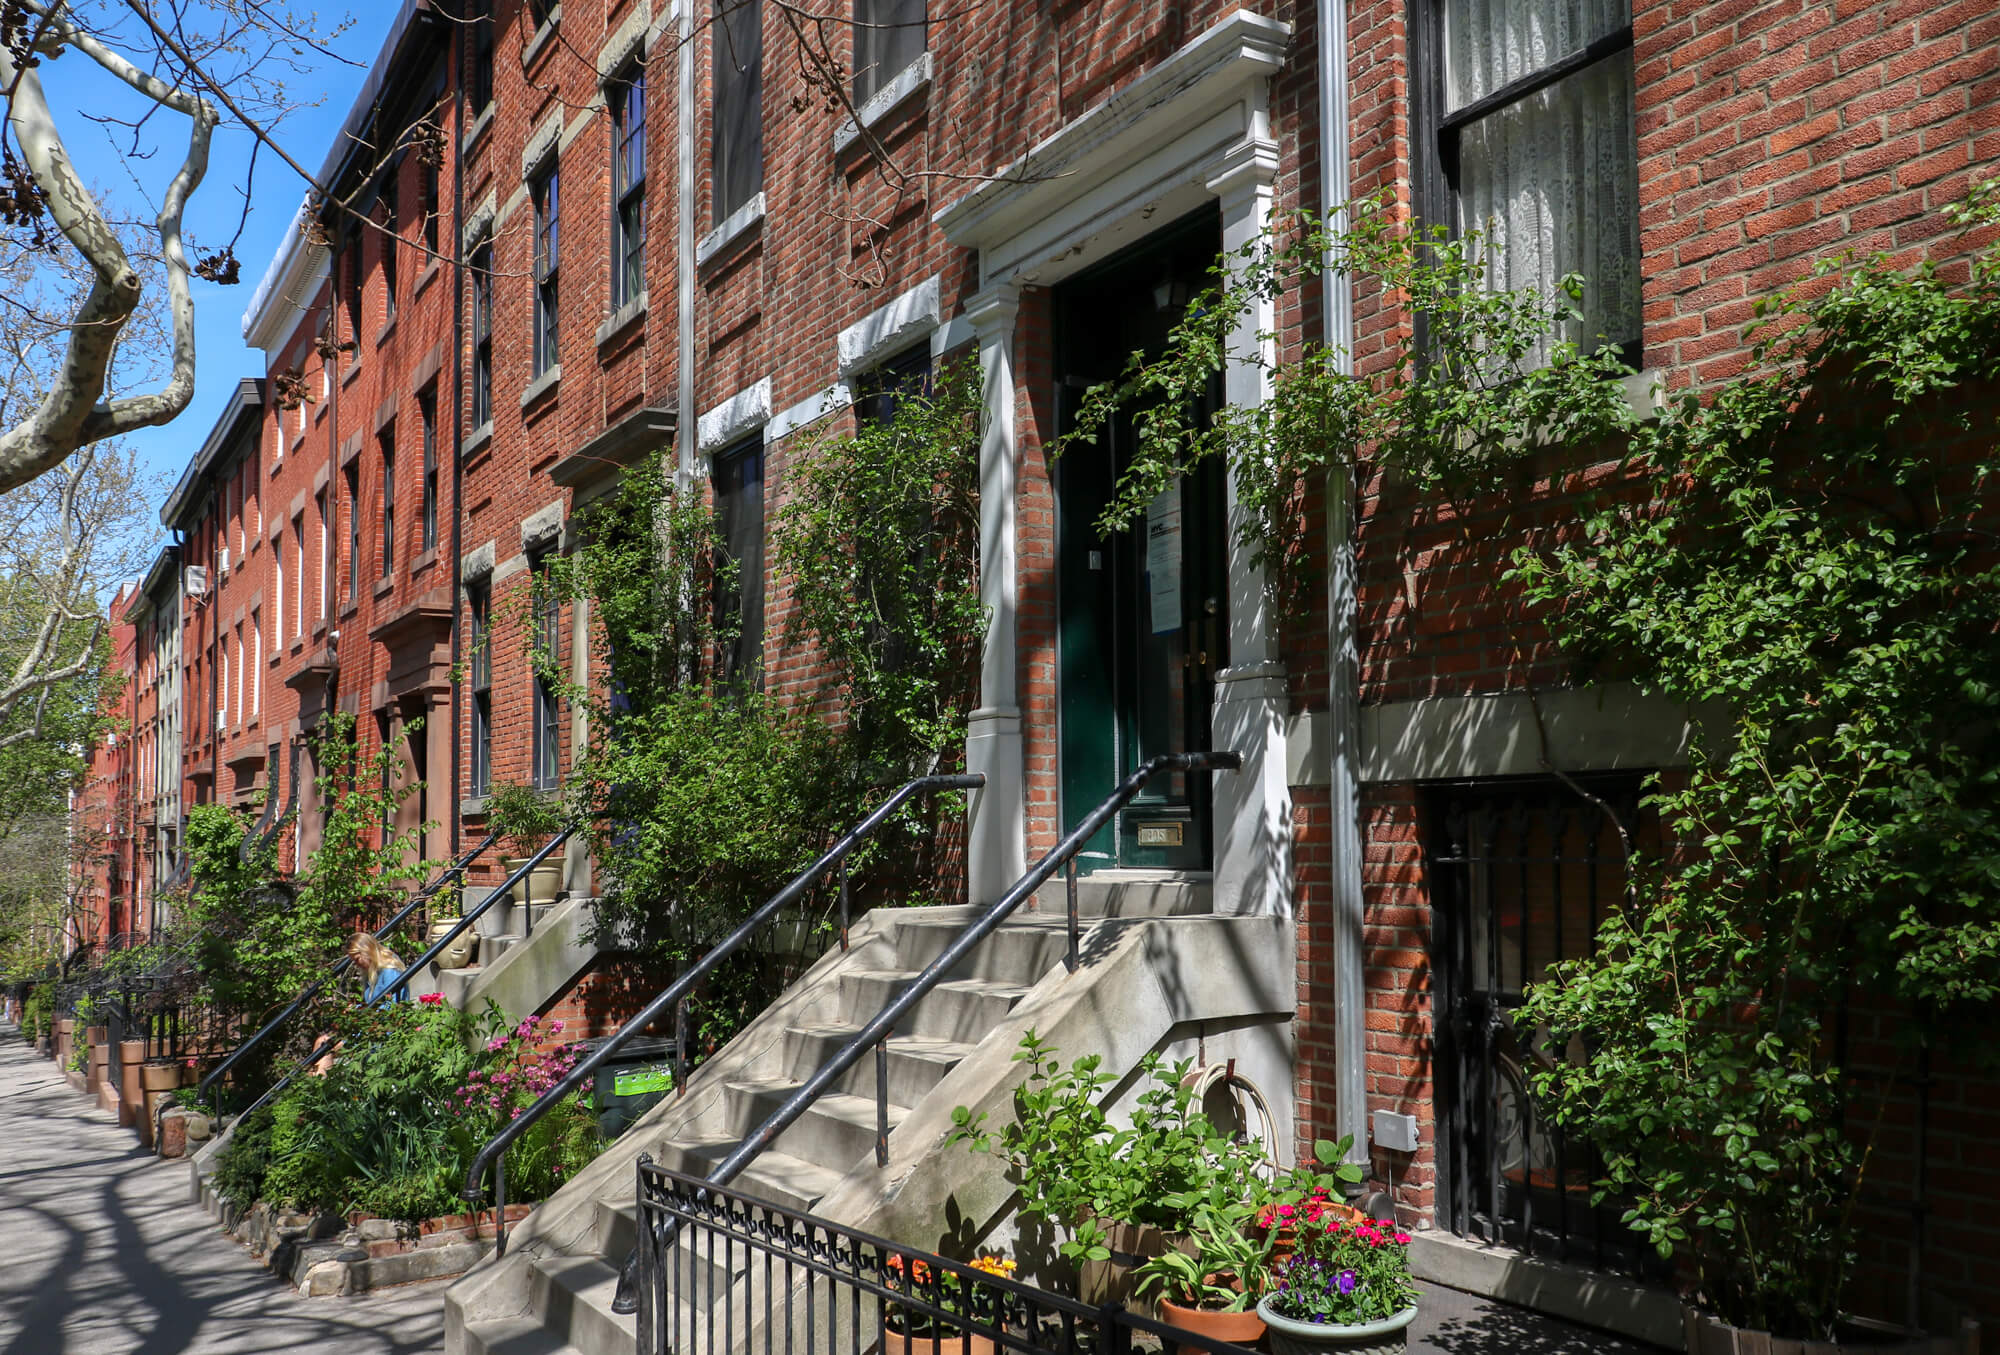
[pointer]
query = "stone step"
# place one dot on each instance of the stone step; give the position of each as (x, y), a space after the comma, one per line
(787, 1181)
(957, 1009)
(572, 1297)
(1129, 893)
(1020, 952)
(917, 1063)
(833, 1132)
(518, 1335)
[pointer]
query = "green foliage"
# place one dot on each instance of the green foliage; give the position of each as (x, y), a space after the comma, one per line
(524, 818)
(1813, 563)
(1227, 1272)
(1479, 381)
(703, 794)
(1082, 1172)
(880, 537)
(260, 938)
(391, 1123)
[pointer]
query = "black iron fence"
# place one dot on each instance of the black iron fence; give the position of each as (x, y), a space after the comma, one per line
(723, 1273)
(1522, 874)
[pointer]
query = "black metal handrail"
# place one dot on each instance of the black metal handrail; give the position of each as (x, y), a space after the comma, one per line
(872, 1036)
(438, 947)
(493, 1155)
(345, 963)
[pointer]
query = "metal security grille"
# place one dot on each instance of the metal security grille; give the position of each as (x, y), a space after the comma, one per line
(1521, 875)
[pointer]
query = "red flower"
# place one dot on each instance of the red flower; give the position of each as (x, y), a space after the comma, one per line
(432, 999)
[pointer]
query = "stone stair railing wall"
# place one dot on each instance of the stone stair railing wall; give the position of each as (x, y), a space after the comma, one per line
(1158, 972)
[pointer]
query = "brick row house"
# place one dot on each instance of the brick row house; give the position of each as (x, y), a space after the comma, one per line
(622, 228)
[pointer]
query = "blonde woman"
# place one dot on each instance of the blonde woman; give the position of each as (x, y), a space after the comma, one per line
(380, 967)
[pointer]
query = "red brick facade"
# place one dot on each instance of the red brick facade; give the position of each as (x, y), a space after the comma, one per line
(1768, 132)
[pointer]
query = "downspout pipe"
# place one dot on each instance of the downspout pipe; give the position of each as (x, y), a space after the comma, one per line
(684, 418)
(1350, 1053)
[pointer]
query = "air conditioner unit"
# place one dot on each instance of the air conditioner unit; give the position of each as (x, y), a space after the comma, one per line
(194, 581)
(222, 561)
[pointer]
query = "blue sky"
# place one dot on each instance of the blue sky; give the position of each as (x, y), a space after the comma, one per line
(75, 83)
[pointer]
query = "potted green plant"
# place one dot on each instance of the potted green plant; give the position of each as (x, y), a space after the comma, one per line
(1346, 1289)
(1123, 1194)
(1213, 1288)
(526, 819)
(1306, 1193)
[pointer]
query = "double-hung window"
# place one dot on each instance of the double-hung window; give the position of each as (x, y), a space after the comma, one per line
(390, 226)
(480, 683)
(736, 133)
(628, 188)
(388, 499)
(482, 335)
(547, 192)
(888, 36)
(547, 648)
(739, 592)
(479, 76)
(1533, 142)
(427, 414)
(353, 532)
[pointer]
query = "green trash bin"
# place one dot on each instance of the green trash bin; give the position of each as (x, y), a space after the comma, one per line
(631, 1082)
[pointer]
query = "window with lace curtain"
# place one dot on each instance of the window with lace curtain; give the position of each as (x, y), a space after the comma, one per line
(1531, 139)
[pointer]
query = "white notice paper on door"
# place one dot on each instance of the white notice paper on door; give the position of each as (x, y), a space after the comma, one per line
(1163, 559)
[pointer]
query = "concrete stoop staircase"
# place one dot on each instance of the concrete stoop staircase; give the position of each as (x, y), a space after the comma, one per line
(518, 969)
(1157, 965)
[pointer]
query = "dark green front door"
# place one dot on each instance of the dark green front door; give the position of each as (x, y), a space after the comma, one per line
(1141, 612)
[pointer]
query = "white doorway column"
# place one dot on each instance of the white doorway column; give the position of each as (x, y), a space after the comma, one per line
(996, 848)
(1253, 807)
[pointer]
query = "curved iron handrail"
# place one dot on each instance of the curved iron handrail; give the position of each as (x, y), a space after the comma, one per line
(505, 888)
(872, 1035)
(796, 889)
(345, 963)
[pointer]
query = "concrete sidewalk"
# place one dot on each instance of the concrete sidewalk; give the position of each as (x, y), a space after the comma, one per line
(101, 1253)
(1451, 1323)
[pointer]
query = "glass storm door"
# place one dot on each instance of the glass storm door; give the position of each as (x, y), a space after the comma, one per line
(1141, 611)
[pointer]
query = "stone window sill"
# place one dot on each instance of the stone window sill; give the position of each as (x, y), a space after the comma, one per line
(631, 311)
(477, 441)
(905, 85)
(477, 129)
(353, 370)
(735, 227)
(544, 36)
(384, 587)
(423, 562)
(431, 270)
(542, 385)
(388, 328)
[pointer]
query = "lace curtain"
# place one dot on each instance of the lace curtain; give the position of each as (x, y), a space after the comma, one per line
(1551, 178)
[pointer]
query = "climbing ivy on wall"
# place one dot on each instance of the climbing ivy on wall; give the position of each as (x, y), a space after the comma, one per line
(1810, 553)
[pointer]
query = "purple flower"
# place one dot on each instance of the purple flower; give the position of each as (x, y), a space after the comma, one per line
(1347, 1280)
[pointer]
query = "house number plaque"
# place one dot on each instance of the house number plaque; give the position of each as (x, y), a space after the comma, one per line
(1160, 834)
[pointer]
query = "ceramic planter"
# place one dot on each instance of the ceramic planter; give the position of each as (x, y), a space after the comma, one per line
(1711, 1336)
(160, 1077)
(1390, 1336)
(1238, 1329)
(543, 881)
(459, 953)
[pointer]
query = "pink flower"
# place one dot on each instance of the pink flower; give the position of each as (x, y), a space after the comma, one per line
(555, 1027)
(1403, 1238)
(432, 999)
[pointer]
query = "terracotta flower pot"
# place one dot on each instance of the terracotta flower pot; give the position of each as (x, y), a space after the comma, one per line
(1238, 1329)
(900, 1343)
(1288, 1336)
(160, 1077)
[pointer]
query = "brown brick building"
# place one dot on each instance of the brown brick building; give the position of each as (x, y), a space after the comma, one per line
(624, 228)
